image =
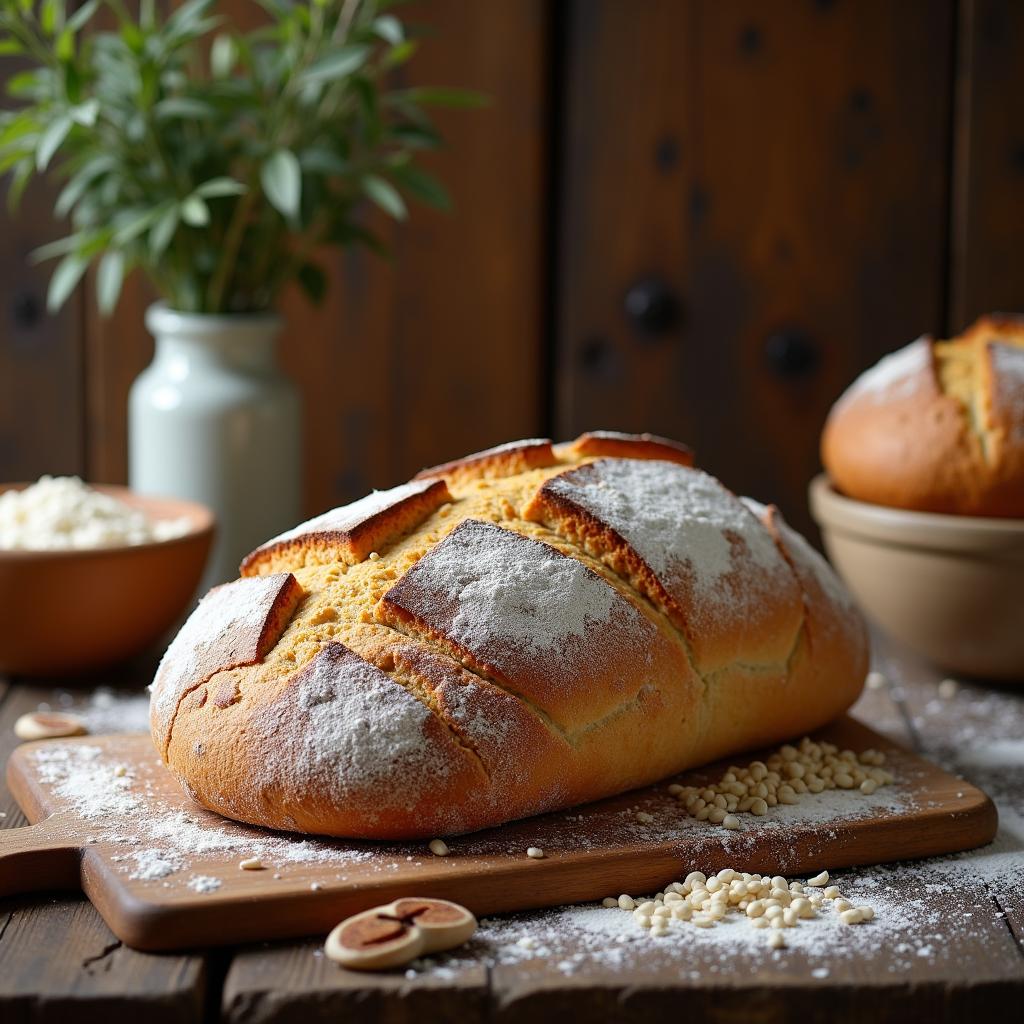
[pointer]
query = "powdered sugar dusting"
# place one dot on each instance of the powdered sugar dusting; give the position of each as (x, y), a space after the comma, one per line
(507, 598)
(359, 728)
(897, 375)
(1008, 396)
(689, 529)
(223, 630)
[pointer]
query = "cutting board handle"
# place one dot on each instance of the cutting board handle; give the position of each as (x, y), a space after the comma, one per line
(38, 857)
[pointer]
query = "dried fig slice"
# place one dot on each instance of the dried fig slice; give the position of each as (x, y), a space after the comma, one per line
(398, 932)
(374, 940)
(444, 924)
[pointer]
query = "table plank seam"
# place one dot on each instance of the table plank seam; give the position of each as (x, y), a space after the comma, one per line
(898, 697)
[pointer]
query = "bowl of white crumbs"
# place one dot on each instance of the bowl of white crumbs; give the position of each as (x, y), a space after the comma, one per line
(92, 575)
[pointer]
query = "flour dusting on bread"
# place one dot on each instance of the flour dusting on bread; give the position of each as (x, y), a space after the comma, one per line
(479, 652)
(897, 375)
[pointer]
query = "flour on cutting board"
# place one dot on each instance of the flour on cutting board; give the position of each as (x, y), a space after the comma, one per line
(160, 842)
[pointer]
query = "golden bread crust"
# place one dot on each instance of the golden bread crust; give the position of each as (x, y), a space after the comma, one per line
(350, 533)
(937, 426)
(515, 650)
(630, 446)
(495, 463)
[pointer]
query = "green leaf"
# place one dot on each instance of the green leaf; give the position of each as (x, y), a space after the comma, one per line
(51, 139)
(313, 282)
(17, 128)
(64, 280)
(10, 47)
(130, 224)
(398, 55)
(60, 247)
(86, 113)
(385, 195)
(51, 16)
(19, 180)
(216, 187)
(423, 186)
(223, 55)
(463, 99)
(187, 17)
(109, 278)
(82, 15)
(65, 46)
(162, 232)
(194, 211)
(80, 182)
(320, 160)
(182, 106)
(281, 177)
(339, 64)
(389, 28)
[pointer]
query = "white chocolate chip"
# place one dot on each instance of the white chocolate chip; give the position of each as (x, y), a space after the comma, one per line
(251, 864)
(535, 852)
(439, 848)
(776, 940)
(818, 880)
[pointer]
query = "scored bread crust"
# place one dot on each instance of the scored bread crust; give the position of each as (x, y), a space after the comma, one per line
(937, 426)
(561, 624)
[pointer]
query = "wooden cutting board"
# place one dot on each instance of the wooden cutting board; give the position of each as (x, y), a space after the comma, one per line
(106, 809)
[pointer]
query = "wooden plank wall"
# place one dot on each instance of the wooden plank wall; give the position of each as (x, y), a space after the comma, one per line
(781, 170)
(988, 197)
(679, 215)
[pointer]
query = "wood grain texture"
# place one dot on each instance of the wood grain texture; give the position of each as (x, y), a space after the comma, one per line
(58, 960)
(297, 984)
(783, 173)
(438, 352)
(41, 368)
(587, 853)
(988, 186)
(975, 732)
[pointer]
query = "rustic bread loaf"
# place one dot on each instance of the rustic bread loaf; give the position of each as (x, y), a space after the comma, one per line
(937, 426)
(519, 631)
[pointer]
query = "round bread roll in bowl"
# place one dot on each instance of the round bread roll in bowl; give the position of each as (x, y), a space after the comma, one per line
(522, 630)
(922, 507)
(937, 426)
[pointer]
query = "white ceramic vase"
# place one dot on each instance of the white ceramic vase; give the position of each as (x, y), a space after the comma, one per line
(213, 419)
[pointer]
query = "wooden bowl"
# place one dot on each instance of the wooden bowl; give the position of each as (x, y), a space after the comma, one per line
(949, 587)
(69, 612)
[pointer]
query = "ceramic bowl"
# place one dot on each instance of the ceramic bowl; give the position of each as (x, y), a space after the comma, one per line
(949, 587)
(70, 612)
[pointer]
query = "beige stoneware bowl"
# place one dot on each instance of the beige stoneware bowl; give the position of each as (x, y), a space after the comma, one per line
(949, 587)
(69, 612)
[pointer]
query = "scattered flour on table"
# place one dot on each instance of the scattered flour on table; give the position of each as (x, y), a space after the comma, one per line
(204, 883)
(105, 710)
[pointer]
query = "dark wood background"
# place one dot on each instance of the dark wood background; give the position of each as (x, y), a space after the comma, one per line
(695, 217)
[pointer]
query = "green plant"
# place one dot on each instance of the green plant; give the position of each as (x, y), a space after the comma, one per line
(216, 161)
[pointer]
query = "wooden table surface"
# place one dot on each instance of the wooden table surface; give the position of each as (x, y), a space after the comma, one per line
(59, 961)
